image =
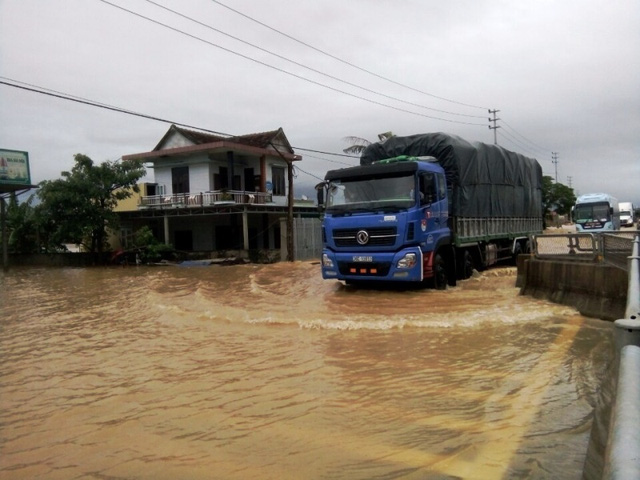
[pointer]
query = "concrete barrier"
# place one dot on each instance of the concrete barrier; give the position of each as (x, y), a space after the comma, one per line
(602, 291)
(595, 289)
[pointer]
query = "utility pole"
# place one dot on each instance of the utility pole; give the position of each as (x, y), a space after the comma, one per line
(495, 127)
(554, 156)
(569, 178)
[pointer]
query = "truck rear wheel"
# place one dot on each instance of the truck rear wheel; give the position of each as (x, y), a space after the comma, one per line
(440, 278)
(465, 265)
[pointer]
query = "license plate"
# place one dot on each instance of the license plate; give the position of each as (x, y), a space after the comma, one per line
(362, 259)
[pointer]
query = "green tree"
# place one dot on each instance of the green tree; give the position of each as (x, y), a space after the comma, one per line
(556, 197)
(22, 226)
(358, 144)
(149, 248)
(78, 208)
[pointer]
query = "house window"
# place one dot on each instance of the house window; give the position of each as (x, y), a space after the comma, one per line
(277, 177)
(180, 179)
(126, 237)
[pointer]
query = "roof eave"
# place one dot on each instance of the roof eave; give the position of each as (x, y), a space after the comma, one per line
(209, 148)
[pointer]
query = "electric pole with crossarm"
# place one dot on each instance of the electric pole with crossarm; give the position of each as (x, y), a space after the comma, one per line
(495, 127)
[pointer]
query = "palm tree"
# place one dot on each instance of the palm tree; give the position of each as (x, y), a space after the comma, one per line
(358, 144)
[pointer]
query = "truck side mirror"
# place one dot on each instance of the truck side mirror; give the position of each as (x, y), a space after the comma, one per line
(320, 195)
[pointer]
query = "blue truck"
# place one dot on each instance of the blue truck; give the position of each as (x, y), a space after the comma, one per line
(428, 209)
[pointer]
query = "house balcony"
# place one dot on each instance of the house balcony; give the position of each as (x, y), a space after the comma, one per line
(205, 199)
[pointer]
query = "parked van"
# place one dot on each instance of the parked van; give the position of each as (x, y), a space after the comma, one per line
(627, 214)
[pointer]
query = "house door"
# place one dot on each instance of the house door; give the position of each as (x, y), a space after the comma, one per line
(249, 180)
(180, 179)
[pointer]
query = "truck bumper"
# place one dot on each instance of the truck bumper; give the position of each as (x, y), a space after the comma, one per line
(402, 266)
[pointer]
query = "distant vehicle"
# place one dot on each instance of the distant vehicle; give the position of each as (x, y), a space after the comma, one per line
(627, 214)
(596, 212)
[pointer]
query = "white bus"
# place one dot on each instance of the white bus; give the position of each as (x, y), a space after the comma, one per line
(596, 212)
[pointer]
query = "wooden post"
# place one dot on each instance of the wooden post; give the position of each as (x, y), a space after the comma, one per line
(290, 252)
(245, 230)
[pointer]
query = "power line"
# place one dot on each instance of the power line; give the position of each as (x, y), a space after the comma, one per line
(296, 167)
(341, 60)
(541, 149)
(326, 159)
(300, 77)
(530, 146)
(74, 98)
(281, 57)
(92, 103)
(522, 147)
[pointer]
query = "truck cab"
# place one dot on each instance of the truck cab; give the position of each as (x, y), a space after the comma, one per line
(384, 221)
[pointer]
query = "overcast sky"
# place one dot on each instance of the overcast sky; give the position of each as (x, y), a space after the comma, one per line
(564, 75)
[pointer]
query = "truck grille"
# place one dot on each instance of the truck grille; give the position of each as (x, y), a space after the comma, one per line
(378, 237)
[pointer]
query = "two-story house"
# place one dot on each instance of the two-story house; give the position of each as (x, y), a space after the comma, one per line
(213, 193)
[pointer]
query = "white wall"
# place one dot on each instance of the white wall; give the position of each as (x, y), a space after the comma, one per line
(199, 178)
(201, 171)
(163, 177)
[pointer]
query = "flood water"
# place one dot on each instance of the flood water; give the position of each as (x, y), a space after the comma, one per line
(270, 372)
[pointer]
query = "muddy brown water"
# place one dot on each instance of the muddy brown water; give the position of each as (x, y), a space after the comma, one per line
(270, 372)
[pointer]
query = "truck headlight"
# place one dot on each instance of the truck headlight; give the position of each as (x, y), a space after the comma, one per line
(326, 261)
(408, 261)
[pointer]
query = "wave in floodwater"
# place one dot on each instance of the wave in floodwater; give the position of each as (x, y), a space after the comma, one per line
(270, 372)
(296, 294)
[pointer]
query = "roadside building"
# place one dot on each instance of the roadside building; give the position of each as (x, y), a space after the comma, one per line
(213, 194)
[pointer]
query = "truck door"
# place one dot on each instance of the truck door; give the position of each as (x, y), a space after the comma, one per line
(429, 202)
(433, 204)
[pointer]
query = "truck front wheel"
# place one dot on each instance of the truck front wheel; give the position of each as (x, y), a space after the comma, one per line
(440, 278)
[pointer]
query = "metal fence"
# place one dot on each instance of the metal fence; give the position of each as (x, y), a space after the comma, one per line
(613, 248)
(307, 238)
(616, 248)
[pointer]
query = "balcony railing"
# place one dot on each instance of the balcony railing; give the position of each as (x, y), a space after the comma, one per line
(217, 197)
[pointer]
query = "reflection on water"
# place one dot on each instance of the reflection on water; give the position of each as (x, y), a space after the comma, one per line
(270, 372)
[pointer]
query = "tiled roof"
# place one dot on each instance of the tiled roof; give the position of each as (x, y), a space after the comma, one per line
(260, 140)
(198, 137)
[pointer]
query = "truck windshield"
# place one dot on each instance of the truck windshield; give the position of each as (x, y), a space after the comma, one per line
(354, 195)
(592, 212)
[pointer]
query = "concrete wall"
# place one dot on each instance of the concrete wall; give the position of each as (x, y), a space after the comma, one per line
(594, 289)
